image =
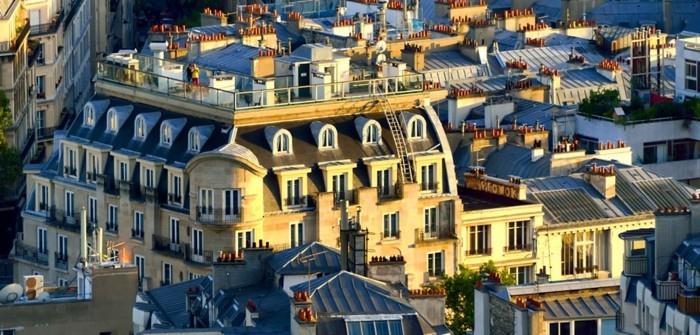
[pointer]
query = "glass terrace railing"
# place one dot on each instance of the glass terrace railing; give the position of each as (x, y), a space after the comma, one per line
(174, 86)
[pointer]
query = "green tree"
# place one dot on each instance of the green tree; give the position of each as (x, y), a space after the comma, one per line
(10, 162)
(601, 103)
(459, 289)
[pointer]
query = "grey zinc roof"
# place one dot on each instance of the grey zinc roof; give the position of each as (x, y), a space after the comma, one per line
(170, 300)
(570, 205)
(610, 33)
(350, 294)
(555, 57)
(517, 161)
(234, 58)
(323, 259)
(628, 13)
(577, 85)
(593, 306)
(689, 250)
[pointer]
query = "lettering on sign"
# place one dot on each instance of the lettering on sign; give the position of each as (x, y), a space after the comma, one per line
(493, 187)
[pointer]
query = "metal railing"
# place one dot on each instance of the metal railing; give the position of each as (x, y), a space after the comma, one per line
(668, 289)
(108, 183)
(516, 248)
(205, 257)
(176, 87)
(31, 254)
(47, 28)
(474, 252)
(164, 244)
(61, 261)
(137, 234)
(440, 234)
(635, 265)
(112, 227)
(13, 45)
(217, 216)
(390, 236)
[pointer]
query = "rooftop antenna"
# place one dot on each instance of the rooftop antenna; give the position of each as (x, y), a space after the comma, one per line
(307, 259)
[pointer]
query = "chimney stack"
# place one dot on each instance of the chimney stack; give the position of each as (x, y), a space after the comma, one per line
(602, 178)
(414, 56)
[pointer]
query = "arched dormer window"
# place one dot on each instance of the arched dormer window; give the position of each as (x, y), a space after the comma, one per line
(193, 140)
(328, 138)
(166, 134)
(88, 116)
(112, 123)
(416, 128)
(140, 127)
(282, 142)
(371, 134)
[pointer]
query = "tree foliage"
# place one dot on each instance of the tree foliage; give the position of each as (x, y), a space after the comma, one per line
(459, 289)
(10, 162)
(601, 103)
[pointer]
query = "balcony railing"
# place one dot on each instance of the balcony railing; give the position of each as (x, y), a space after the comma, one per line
(109, 184)
(668, 289)
(47, 28)
(205, 257)
(689, 303)
(61, 261)
(517, 248)
(391, 236)
(112, 227)
(163, 244)
(482, 251)
(635, 265)
(69, 222)
(440, 234)
(235, 100)
(137, 234)
(31, 254)
(619, 320)
(174, 198)
(70, 171)
(217, 216)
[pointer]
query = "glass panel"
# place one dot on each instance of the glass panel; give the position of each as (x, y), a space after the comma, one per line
(367, 328)
(354, 328)
(395, 327)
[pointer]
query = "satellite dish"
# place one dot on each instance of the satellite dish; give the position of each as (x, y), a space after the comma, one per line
(44, 296)
(11, 293)
(380, 46)
(380, 59)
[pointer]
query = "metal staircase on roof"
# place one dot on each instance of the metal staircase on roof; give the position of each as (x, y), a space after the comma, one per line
(403, 148)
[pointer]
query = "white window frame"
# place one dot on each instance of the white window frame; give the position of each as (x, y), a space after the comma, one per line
(384, 182)
(69, 204)
(243, 240)
(193, 143)
(430, 222)
(176, 189)
(70, 161)
(339, 185)
(328, 138)
(428, 177)
(518, 232)
(42, 244)
(149, 177)
(523, 270)
(123, 171)
(432, 263)
(138, 223)
(296, 233)
(166, 134)
(62, 245)
(231, 203)
(140, 128)
(390, 231)
(416, 128)
(296, 197)
(112, 121)
(93, 168)
(479, 239)
(42, 198)
(174, 230)
(89, 116)
(92, 210)
(167, 273)
(140, 263)
(282, 142)
(372, 133)
(197, 245)
(206, 201)
(113, 217)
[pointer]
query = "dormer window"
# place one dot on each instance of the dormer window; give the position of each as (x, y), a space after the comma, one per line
(416, 128)
(89, 116)
(112, 123)
(328, 138)
(140, 128)
(166, 134)
(371, 133)
(283, 142)
(193, 140)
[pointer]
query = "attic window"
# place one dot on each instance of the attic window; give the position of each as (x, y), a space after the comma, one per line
(328, 138)
(193, 140)
(89, 116)
(140, 127)
(416, 128)
(112, 123)
(166, 134)
(282, 142)
(371, 133)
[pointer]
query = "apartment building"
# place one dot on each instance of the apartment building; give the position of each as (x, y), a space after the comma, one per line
(177, 189)
(112, 27)
(687, 60)
(16, 75)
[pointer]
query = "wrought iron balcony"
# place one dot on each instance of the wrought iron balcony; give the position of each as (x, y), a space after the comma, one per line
(635, 265)
(205, 257)
(137, 234)
(218, 216)
(439, 235)
(31, 254)
(47, 28)
(112, 227)
(481, 251)
(668, 289)
(518, 247)
(165, 245)
(390, 236)
(61, 261)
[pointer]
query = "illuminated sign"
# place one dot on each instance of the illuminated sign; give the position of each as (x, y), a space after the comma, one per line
(494, 187)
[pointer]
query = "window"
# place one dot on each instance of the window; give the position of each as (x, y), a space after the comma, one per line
(378, 327)
(435, 264)
(518, 236)
(140, 127)
(70, 162)
(430, 222)
(112, 123)
(561, 328)
(193, 140)
(42, 198)
(232, 204)
(137, 229)
(479, 240)
(584, 252)
(113, 220)
(62, 251)
(166, 134)
(371, 134)
(174, 230)
(328, 140)
(70, 197)
(428, 176)
(650, 154)
(206, 201)
(123, 171)
(92, 210)
(41, 87)
(521, 274)
(391, 225)
(691, 75)
(167, 274)
(282, 143)
(384, 186)
(197, 244)
(294, 192)
(415, 128)
(176, 189)
(61, 283)
(339, 186)
(140, 263)
(93, 167)
(41, 240)
(244, 239)
(296, 231)
(89, 116)
(149, 178)
(41, 122)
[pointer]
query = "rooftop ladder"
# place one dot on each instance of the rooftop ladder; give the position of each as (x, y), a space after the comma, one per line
(397, 132)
